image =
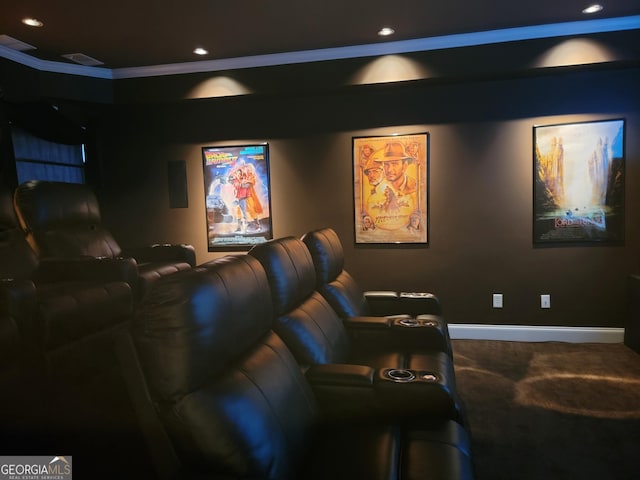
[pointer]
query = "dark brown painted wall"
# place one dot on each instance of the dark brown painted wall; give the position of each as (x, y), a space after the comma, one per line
(480, 126)
(480, 184)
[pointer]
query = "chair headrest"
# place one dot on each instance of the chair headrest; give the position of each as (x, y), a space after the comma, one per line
(42, 204)
(326, 251)
(17, 259)
(8, 218)
(290, 271)
(194, 324)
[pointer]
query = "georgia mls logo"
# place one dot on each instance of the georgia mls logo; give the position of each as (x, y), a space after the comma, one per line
(36, 468)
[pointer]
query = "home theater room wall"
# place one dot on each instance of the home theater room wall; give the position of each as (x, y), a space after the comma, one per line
(480, 183)
(480, 127)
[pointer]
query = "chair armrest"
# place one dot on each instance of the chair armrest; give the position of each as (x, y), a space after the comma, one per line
(163, 456)
(368, 322)
(18, 299)
(419, 303)
(417, 394)
(343, 391)
(333, 374)
(426, 332)
(87, 269)
(385, 302)
(163, 253)
(357, 392)
(382, 302)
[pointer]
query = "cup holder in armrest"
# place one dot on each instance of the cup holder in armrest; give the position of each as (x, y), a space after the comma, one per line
(403, 375)
(416, 295)
(409, 322)
(417, 322)
(400, 375)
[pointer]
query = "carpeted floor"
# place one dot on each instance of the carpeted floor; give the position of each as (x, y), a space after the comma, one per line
(547, 411)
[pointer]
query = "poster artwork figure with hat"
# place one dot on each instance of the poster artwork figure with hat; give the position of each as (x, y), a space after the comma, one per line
(390, 188)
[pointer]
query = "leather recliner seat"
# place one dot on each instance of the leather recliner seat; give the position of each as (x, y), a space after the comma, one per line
(318, 336)
(63, 220)
(420, 311)
(222, 397)
(58, 320)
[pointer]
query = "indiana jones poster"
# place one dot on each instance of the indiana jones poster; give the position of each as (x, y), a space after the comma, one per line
(391, 176)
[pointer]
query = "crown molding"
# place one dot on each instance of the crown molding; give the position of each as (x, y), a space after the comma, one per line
(339, 53)
(54, 67)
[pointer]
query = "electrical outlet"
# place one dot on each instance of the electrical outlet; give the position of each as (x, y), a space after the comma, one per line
(497, 300)
(545, 301)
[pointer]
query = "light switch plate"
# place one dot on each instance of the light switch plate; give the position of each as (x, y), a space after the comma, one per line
(497, 300)
(545, 301)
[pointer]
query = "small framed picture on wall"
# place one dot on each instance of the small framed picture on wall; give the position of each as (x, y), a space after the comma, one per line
(579, 181)
(238, 196)
(391, 189)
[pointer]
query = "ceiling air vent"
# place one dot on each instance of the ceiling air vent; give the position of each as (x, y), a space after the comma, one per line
(83, 59)
(14, 44)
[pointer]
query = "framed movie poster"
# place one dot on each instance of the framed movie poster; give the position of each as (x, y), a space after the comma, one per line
(390, 187)
(579, 179)
(238, 196)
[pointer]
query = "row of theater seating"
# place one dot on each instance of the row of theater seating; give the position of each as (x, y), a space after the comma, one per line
(267, 365)
(66, 290)
(274, 365)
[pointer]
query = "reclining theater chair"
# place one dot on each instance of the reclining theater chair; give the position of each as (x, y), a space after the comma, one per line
(58, 320)
(220, 396)
(317, 335)
(19, 416)
(63, 220)
(420, 310)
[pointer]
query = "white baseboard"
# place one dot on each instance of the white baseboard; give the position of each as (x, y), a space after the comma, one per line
(530, 333)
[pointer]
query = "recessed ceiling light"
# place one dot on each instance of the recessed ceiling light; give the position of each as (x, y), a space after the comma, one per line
(32, 22)
(593, 8)
(386, 31)
(200, 51)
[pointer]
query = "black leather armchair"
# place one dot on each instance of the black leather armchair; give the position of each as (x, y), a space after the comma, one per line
(420, 311)
(220, 396)
(318, 336)
(58, 320)
(63, 220)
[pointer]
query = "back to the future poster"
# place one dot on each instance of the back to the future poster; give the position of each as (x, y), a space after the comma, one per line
(237, 193)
